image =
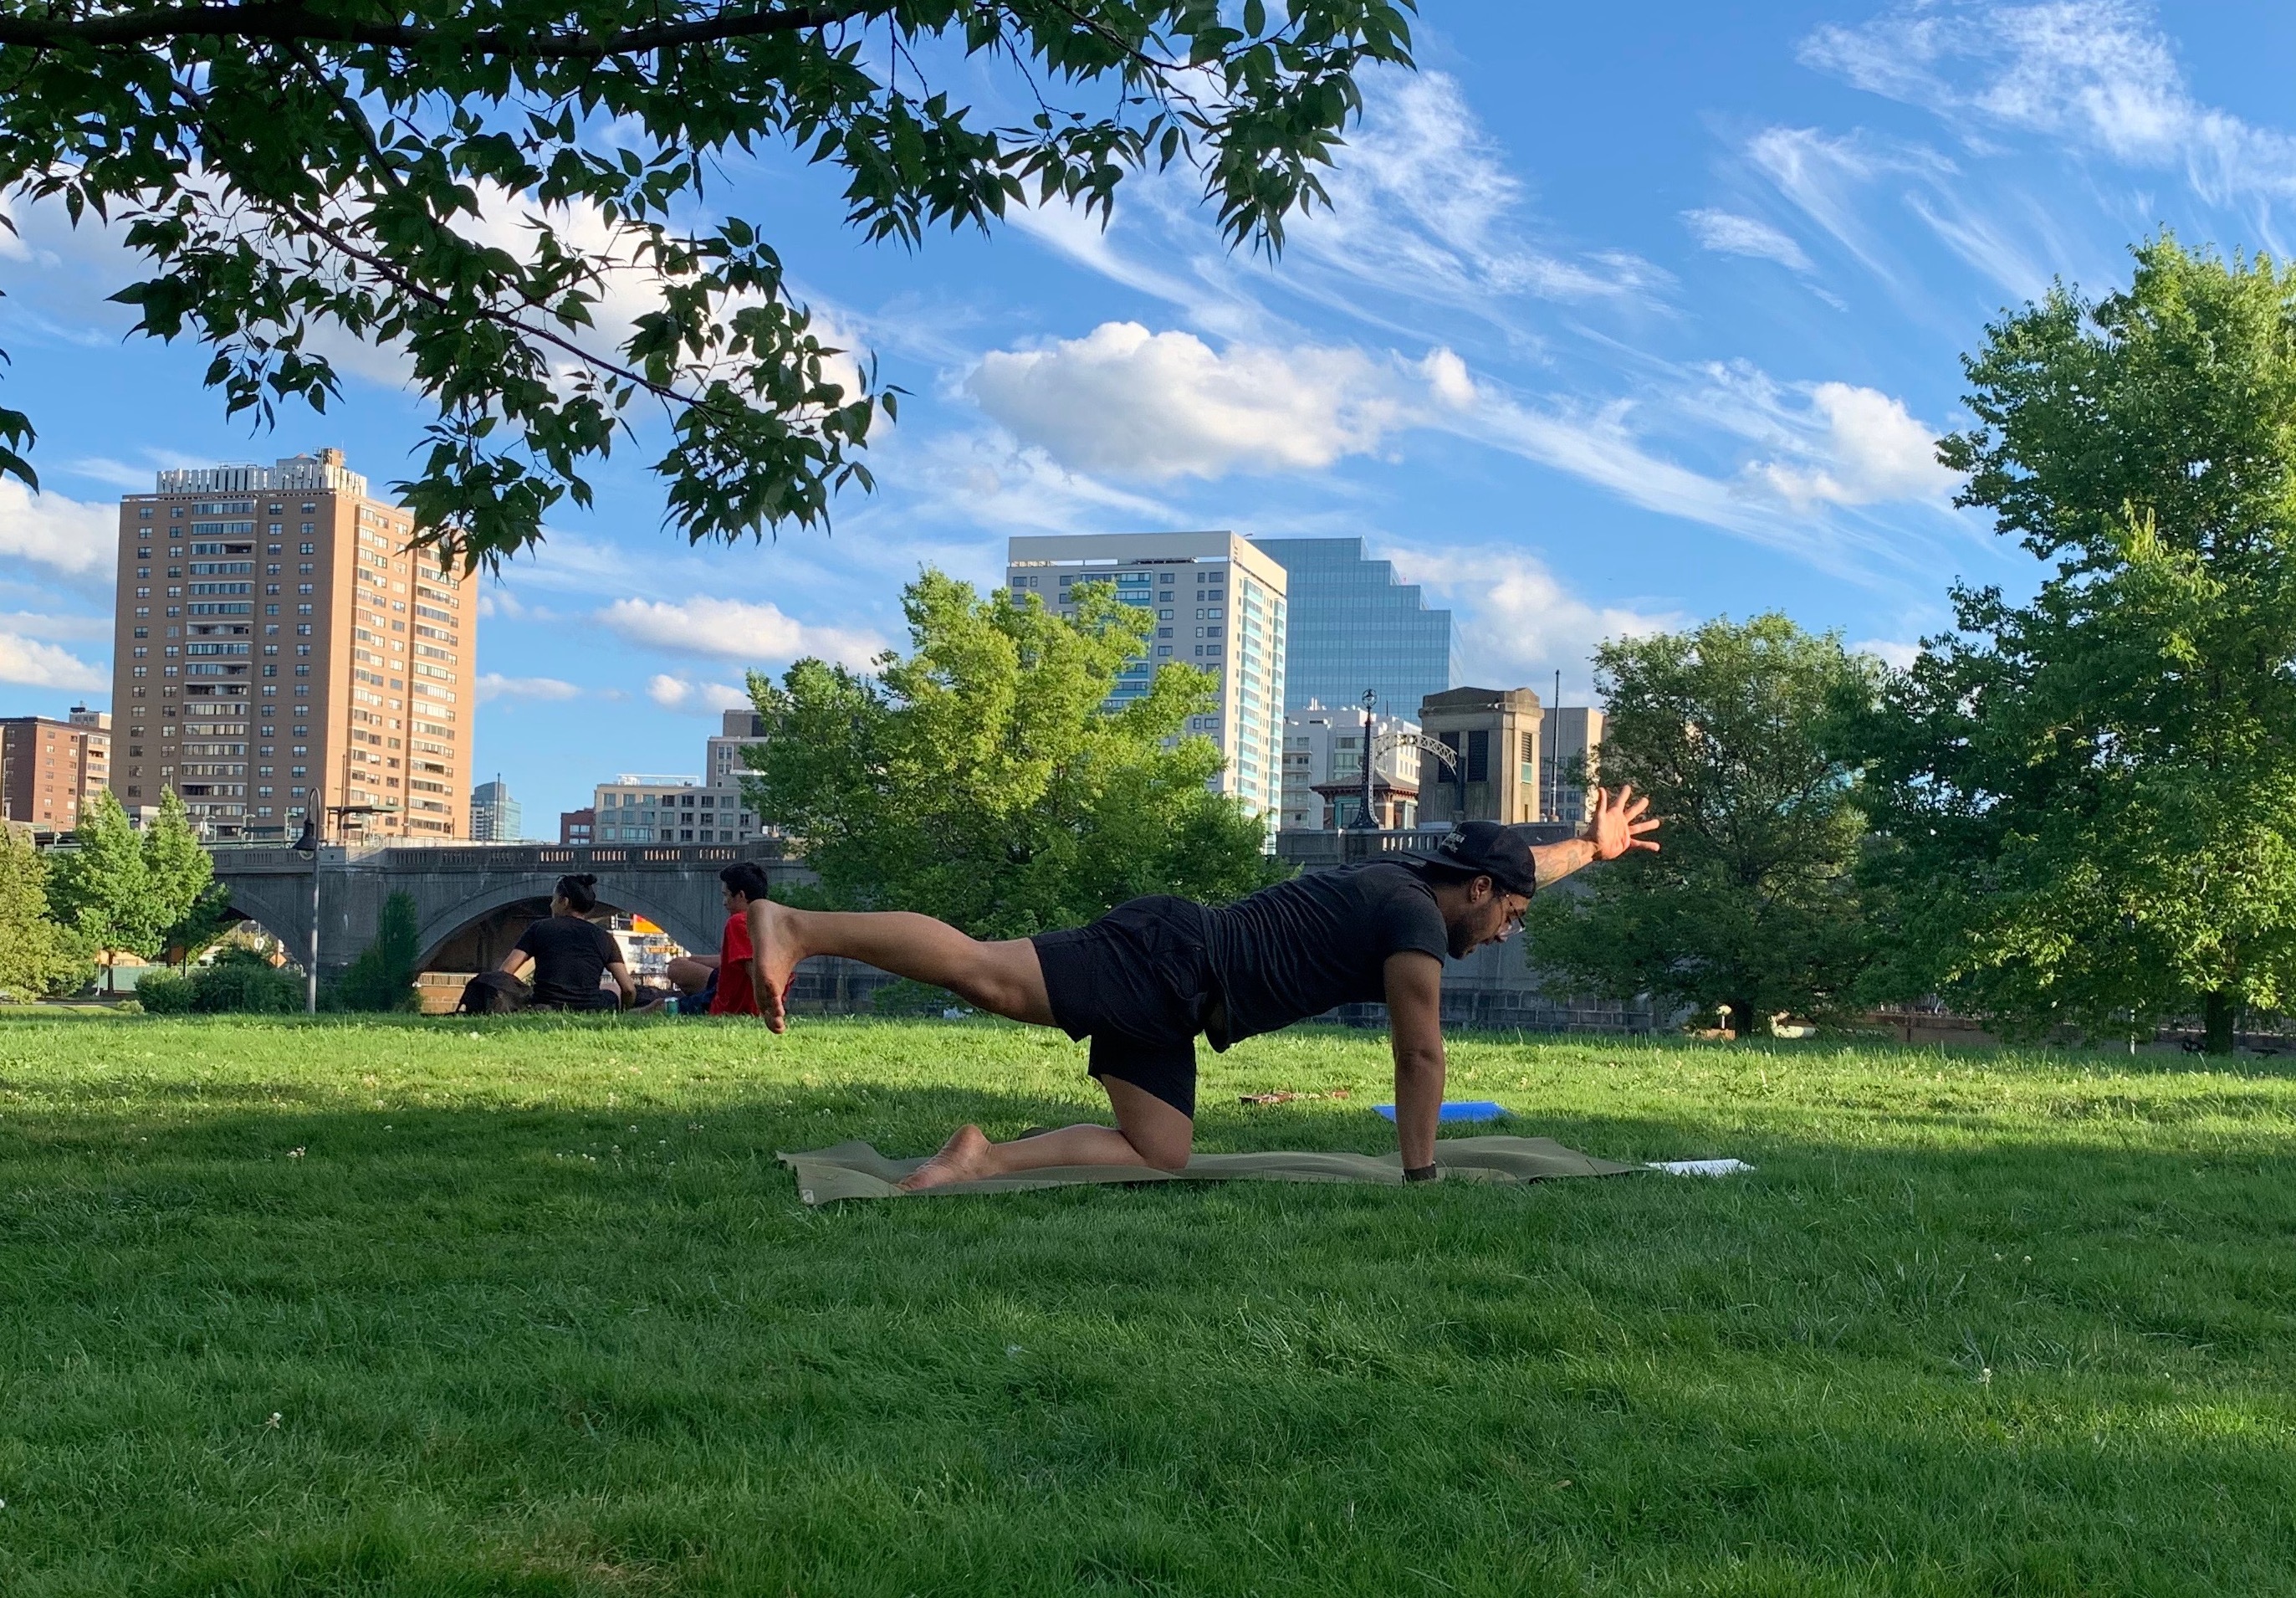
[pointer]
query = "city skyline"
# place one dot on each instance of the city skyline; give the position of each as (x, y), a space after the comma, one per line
(1623, 322)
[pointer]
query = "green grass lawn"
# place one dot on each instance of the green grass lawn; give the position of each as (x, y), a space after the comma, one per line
(526, 1306)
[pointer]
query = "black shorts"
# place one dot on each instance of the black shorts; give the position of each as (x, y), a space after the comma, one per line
(1138, 982)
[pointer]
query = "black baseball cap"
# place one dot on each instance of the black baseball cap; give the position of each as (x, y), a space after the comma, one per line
(1484, 849)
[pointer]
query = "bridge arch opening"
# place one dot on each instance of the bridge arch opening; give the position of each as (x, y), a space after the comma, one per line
(477, 934)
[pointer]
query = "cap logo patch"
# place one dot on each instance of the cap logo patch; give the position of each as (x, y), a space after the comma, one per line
(1452, 840)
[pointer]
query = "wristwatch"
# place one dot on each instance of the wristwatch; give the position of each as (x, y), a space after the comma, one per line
(1426, 1173)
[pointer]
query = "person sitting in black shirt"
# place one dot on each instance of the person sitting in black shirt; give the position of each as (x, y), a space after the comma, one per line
(571, 953)
(1143, 980)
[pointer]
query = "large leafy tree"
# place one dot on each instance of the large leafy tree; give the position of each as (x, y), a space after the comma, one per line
(465, 182)
(2090, 799)
(37, 955)
(1752, 903)
(126, 893)
(180, 875)
(986, 779)
(102, 887)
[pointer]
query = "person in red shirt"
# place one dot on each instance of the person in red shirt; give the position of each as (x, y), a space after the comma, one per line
(728, 983)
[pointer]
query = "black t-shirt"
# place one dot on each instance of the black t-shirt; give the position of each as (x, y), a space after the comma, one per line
(1316, 942)
(569, 956)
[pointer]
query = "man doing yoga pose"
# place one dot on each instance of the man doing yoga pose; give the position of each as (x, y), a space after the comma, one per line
(1145, 979)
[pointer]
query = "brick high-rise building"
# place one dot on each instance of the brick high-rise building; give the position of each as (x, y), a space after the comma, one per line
(95, 754)
(278, 647)
(48, 769)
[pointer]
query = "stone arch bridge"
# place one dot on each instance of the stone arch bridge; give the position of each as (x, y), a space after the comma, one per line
(471, 900)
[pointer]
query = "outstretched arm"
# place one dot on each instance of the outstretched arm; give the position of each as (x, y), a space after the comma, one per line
(1415, 1026)
(1616, 827)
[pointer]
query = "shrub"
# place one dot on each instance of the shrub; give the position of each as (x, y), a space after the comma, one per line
(239, 984)
(164, 993)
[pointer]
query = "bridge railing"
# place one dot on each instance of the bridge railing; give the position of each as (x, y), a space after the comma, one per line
(560, 858)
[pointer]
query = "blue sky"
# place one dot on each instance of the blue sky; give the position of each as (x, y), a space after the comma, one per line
(1628, 316)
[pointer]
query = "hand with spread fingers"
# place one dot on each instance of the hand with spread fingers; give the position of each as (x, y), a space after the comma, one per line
(1618, 823)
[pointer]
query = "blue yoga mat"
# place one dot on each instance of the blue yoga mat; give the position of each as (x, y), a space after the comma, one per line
(1472, 1109)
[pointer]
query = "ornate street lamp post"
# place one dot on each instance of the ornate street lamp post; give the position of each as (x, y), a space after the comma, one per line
(1386, 742)
(1366, 817)
(307, 847)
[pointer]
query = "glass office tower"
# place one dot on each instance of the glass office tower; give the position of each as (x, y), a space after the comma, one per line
(1353, 627)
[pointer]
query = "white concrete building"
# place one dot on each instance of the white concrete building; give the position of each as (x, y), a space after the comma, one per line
(1323, 750)
(1219, 604)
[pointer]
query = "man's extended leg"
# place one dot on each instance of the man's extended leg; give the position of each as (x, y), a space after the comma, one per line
(1002, 978)
(1148, 1131)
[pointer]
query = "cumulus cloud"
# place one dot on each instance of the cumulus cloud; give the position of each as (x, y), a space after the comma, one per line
(1516, 620)
(735, 630)
(680, 693)
(35, 665)
(1163, 405)
(2096, 74)
(78, 540)
(1726, 233)
(1868, 448)
(494, 685)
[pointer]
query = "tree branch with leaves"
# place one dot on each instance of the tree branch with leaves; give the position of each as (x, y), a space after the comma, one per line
(298, 171)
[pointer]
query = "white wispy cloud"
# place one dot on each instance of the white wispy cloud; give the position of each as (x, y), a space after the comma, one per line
(1426, 205)
(1806, 450)
(1515, 620)
(1726, 233)
(43, 624)
(35, 665)
(118, 473)
(1827, 177)
(2096, 74)
(740, 630)
(494, 685)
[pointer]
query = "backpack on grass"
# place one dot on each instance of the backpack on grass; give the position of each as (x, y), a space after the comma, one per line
(494, 994)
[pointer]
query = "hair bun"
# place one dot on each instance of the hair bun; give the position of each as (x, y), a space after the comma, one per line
(587, 880)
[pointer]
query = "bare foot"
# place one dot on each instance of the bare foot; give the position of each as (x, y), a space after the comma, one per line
(778, 954)
(962, 1159)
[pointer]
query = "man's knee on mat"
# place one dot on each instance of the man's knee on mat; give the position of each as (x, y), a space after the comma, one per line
(1165, 1152)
